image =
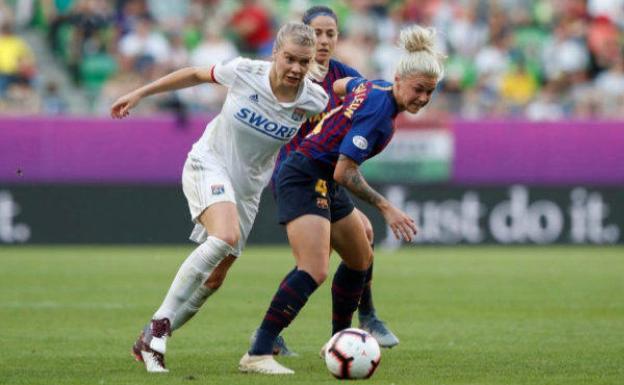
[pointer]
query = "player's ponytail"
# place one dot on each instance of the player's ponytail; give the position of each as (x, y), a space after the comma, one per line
(421, 56)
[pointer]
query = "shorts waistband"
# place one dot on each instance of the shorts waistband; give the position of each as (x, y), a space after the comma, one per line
(312, 166)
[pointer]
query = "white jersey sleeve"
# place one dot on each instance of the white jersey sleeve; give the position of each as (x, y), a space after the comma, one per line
(226, 73)
(315, 99)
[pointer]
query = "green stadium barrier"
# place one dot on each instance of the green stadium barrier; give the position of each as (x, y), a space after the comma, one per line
(48, 214)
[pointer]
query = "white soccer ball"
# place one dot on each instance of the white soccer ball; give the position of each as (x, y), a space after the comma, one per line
(352, 354)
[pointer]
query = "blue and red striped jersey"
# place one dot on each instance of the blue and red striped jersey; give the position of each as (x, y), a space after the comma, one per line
(336, 70)
(360, 128)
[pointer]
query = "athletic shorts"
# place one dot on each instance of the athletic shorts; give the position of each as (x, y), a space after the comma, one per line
(206, 182)
(305, 186)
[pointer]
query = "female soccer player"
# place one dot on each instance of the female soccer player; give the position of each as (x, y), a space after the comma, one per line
(228, 167)
(325, 23)
(312, 198)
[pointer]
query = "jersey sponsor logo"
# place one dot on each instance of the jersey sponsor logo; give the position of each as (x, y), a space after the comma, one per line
(217, 189)
(360, 142)
(254, 98)
(265, 126)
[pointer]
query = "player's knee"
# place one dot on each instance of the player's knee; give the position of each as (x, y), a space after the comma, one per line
(368, 227)
(319, 274)
(231, 236)
(370, 234)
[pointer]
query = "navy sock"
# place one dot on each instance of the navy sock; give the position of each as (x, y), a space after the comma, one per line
(290, 273)
(366, 306)
(291, 296)
(347, 289)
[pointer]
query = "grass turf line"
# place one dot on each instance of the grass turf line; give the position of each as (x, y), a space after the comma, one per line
(465, 315)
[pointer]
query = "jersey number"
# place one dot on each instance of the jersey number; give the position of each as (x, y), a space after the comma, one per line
(321, 187)
(319, 126)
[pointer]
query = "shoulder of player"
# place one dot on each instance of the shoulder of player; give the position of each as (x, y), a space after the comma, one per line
(250, 67)
(381, 85)
(344, 69)
(314, 96)
(378, 101)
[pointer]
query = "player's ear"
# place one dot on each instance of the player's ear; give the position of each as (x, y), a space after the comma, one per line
(397, 80)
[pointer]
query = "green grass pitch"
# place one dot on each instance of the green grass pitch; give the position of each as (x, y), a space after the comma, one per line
(465, 315)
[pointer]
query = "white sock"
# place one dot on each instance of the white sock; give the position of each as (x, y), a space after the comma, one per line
(192, 274)
(191, 307)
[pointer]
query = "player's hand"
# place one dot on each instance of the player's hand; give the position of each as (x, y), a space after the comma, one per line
(121, 108)
(401, 224)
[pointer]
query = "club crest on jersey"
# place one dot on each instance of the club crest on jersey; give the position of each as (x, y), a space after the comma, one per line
(322, 203)
(360, 142)
(298, 114)
(254, 98)
(217, 189)
(265, 126)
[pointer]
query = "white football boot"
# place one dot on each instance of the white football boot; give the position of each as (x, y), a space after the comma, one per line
(279, 346)
(151, 346)
(264, 364)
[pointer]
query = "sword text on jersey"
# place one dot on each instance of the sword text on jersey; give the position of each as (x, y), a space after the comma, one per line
(261, 124)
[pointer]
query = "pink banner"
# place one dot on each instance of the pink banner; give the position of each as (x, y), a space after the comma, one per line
(95, 150)
(143, 150)
(502, 152)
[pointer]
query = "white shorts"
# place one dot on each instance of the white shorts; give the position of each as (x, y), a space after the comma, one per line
(206, 182)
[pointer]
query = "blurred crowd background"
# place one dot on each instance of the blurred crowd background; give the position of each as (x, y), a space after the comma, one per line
(525, 59)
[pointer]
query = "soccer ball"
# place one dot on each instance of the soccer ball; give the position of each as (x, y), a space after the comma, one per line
(352, 354)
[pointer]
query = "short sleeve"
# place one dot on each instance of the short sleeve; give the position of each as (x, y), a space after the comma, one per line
(225, 73)
(316, 99)
(364, 134)
(353, 83)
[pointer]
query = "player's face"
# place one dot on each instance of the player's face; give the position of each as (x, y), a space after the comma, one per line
(292, 62)
(413, 92)
(326, 38)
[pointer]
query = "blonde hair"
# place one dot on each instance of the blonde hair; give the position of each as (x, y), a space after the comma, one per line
(420, 57)
(296, 32)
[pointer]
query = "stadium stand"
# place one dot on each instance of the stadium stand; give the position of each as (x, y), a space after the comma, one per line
(534, 59)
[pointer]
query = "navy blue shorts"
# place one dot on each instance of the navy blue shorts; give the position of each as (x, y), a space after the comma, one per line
(305, 186)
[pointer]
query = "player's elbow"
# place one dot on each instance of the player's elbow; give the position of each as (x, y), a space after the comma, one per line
(201, 75)
(345, 168)
(340, 175)
(339, 87)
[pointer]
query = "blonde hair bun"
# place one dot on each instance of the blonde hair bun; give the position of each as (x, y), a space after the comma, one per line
(416, 38)
(421, 56)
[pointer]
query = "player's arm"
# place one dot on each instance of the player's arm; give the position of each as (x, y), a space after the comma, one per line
(182, 78)
(347, 173)
(340, 86)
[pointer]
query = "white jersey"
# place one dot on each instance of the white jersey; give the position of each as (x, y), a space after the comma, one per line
(252, 125)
